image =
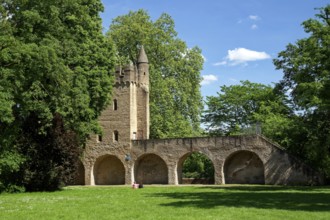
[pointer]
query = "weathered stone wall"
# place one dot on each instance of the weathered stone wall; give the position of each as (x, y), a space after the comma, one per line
(239, 159)
(118, 119)
(142, 113)
(244, 167)
(151, 169)
(109, 170)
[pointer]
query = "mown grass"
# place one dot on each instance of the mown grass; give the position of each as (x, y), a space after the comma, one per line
(170, 202)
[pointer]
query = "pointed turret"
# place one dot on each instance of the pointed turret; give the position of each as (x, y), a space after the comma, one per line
(143, 67)
(142, 56)
(142, 95)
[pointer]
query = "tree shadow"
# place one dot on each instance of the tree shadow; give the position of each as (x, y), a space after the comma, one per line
(282, 198)
(268, 188)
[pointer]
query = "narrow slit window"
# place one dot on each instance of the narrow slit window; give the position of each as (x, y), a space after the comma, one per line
(115, 136)
(115, 104)
(99, 138)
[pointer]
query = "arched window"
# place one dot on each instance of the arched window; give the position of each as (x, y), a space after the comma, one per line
(115, 105)
(115, 136)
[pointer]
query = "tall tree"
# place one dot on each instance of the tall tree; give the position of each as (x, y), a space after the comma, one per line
(175, 98)
(306, 67)
(55, 68)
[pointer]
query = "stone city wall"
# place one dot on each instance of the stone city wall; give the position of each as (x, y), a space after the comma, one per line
(236, 159)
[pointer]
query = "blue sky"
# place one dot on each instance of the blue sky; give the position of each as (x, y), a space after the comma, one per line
(238, 38)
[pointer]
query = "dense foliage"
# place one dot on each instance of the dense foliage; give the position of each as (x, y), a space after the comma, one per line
(244, 108)
(197, 165)
(55, 79)
(175, 98)
(306, 67)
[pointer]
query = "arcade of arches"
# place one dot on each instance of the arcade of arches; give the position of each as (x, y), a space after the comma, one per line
(235, 160)
(152, 169)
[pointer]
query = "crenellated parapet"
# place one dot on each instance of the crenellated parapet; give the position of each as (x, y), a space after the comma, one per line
(138, 74)
(127, 73)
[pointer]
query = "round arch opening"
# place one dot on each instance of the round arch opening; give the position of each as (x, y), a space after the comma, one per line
(244, 167)
(151, 169)
(195, 168)
(109, 170)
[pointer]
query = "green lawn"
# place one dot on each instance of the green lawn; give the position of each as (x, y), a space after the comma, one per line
(170, 202)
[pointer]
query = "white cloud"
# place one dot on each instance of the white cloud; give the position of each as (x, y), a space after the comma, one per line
(242, 56)
(254, 27)
(233, 80)
(207, 79)
(254, 17)
(221, 63)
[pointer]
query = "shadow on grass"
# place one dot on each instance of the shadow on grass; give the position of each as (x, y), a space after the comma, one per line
(268, 188)
(284, 198)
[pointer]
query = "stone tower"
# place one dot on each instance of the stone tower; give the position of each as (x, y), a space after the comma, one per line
(127, 117)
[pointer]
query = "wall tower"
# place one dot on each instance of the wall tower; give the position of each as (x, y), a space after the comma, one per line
(127, 117)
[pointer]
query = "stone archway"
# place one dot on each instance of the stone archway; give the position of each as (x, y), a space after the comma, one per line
(244, 167)
(151, 169)
(201, 180)
(109, 170)
(180, 167)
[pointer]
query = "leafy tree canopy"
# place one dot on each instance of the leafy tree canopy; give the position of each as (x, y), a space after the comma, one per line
(175, 98)
(306, 67)
(55, 71)
(238, 107)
